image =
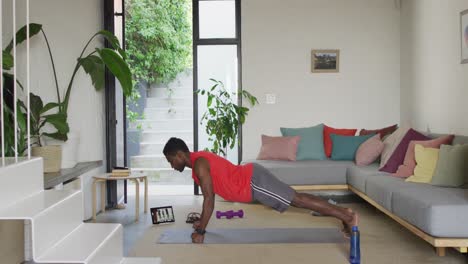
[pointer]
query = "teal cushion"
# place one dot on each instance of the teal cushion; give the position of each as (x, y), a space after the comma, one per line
(311, 144)
(345, 147)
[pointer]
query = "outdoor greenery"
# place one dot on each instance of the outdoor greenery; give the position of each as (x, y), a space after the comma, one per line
(158, 38)
(223, 116)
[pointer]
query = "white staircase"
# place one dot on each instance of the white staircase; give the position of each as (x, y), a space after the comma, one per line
(168, 113)
(58, 234)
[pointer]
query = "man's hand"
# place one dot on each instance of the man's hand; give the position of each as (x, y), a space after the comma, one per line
(197, 238)
(196, 224)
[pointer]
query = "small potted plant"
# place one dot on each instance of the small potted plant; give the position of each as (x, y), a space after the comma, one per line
(223, 116)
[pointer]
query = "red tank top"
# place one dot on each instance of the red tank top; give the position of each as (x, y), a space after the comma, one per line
(232, 182)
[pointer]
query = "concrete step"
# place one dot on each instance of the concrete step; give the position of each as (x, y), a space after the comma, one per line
(141, 261)
(164, 124)
(173, 102)
(149, 162)
(149, 148)
(85, 243)
(168, 113)
(149, 135)
(167, 176)
(165, 92)
(20, 180)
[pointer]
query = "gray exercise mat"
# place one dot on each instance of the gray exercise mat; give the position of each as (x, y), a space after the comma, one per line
(256, 236)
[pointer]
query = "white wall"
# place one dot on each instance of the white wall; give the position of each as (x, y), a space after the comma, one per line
(277, 39)
(69, 25)
(433, 82)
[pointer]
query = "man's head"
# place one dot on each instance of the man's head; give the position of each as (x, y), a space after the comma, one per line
(176, 151)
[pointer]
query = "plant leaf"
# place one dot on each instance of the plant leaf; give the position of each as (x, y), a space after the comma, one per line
(48, 107)
(57, 136)
(21, 35)
(114, 42)
(94, 66)
(59, 121)
(7, 60)
(119, 68)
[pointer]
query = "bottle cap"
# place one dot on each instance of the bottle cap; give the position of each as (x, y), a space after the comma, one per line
(354, 229)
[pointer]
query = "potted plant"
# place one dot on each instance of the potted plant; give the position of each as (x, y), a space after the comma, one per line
(93, 63)
(223, 116)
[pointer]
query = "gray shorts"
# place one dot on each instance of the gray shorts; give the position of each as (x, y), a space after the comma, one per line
(270, 191)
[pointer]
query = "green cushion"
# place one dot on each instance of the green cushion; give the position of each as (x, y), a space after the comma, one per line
(311, 144)
(451, 166)
(345, 147)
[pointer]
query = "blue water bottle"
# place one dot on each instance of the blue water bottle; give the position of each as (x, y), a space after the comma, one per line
(355, 251)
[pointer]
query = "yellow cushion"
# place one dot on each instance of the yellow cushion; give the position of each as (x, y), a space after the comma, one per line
(426, 161)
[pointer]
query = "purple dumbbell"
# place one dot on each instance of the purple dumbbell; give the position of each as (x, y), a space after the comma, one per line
(230, 214)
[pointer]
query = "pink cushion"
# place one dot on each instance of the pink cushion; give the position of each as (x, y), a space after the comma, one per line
(369, 151)
(407, 168)
(278, 148)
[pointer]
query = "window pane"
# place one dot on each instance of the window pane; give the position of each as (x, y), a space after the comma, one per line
(217, 19)
(219, 63)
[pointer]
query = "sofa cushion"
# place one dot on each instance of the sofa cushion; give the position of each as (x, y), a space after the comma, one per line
(327, 141)
(278, 148)
(398, 155)
(438, 211)
(382, 132)
(456, 140)
(426, 161)
(311, 144)
(369, 151)
(451, 166)
(307, 172)
(407, 168)
(345, 147)
(380, 189)
(357, 175)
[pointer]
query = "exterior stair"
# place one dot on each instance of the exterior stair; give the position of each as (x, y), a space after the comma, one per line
(58, 234)
(168, 113)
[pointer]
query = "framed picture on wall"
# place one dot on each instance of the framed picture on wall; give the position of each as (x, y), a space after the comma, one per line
(464, 36)
(326, 60)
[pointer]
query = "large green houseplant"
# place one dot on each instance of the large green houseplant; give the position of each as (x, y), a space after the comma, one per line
(223, 116)
(93, 63)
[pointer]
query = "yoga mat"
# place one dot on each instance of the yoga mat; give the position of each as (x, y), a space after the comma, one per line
(255, 236)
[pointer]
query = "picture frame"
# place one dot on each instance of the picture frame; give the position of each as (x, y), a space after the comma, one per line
(325, 60)
(464, 36)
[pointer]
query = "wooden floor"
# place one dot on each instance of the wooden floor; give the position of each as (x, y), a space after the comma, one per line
(383, 241)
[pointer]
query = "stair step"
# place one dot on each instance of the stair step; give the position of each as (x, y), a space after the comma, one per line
(167, 175)
(36, 204)
(163, 136)
(141, 261)
(165, 124)
(149, 148)
(56, 222)
(168, 113)
(20, 180)
(175, 102)
(81, 244)
(179, 91)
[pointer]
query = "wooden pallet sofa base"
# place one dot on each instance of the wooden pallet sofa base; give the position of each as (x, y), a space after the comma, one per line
(440, 244)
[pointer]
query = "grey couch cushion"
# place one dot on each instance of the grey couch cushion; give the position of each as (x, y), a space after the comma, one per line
(357, 175)
(380, 189)
(306, 172)
(438, 211)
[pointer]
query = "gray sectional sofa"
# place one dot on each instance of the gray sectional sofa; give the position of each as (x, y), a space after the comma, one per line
(438, 215)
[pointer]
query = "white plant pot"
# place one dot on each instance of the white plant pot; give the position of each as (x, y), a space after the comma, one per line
(69, 149)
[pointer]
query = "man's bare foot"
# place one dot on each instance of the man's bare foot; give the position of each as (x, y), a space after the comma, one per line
(347, 225)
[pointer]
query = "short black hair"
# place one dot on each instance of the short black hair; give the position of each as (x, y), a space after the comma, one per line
(173, 145)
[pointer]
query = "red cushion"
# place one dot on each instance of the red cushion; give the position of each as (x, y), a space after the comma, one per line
(327, 142)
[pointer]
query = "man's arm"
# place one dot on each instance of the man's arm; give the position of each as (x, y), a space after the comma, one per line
(202, 170)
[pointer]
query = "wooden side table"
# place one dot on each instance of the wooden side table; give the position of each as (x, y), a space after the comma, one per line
(135, 177)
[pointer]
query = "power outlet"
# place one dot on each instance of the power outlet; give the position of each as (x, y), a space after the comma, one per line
(270, 98)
